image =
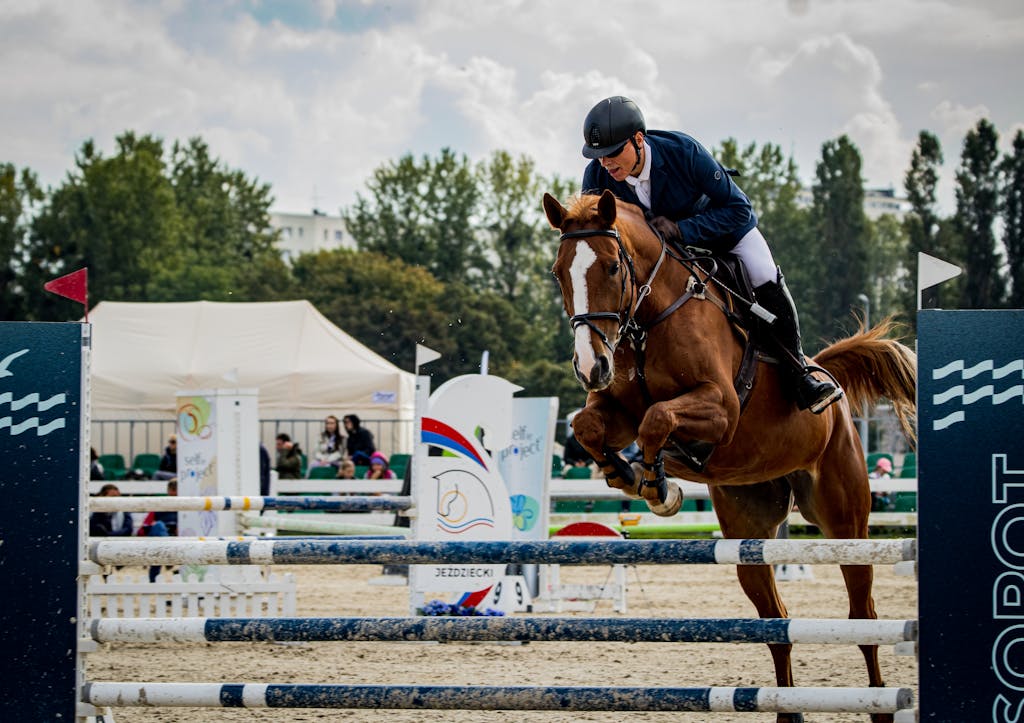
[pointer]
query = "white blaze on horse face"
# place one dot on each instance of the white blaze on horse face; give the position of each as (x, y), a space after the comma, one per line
(581, 263)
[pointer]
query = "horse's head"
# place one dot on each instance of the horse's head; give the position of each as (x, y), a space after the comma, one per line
(598, 282)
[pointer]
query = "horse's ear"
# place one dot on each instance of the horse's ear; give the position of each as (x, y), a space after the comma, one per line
(606, 208)
(555, 211)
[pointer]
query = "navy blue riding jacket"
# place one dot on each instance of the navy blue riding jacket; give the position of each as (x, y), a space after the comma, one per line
(689, 187)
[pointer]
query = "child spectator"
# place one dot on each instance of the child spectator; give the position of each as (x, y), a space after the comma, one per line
(881, 501)
(379, 467)
(110, 524)
(360, 443)
(161, 524)
(347, 469)
(289, 458)
(330, 449)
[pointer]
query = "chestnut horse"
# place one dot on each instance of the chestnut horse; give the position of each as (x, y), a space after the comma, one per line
(658, 350)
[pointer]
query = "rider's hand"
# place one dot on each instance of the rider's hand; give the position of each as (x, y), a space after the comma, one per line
(668, 229)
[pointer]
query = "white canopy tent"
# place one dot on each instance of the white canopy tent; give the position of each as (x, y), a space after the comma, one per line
(303, 365)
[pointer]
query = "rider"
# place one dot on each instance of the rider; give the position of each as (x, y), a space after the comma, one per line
(691, 200)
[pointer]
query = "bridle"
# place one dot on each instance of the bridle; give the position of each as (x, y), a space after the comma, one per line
(626, 315)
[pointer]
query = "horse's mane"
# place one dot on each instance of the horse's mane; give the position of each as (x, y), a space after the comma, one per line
(629, 217)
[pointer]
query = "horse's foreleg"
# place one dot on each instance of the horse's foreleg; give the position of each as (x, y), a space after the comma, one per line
(603, 430)
(704, 414)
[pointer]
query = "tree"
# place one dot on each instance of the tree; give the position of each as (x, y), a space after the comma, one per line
(391, 306)
(388, 305)
(888, 250)
(19, 196)
(116, 215)
(227, 247)
(422, 213)
(976, 210)
(922, 222)
(520, 245)
(841, 228)
(1012, 191)
(771, 181)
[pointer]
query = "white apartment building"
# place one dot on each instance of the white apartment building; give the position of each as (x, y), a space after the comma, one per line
(877, 202)
(304, 233)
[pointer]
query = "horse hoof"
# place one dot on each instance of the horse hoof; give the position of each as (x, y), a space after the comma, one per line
(673, 501)
(632, 491)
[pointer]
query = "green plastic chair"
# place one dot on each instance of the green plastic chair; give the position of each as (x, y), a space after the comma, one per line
(905, 502)
(113, 466)
(577, 473)
(909, 468)
(399, 463)
(556, 465)
(148, 463)
(361, 470)
(327, 472)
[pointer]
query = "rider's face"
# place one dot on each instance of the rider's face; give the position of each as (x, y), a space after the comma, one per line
(622, 163)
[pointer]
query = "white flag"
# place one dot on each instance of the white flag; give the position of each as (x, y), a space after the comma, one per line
(932, 271)
(425, 355)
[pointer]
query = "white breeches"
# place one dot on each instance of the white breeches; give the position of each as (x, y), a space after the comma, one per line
(757, 257)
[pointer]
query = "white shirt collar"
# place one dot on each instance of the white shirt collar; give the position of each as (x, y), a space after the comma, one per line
(642, 184)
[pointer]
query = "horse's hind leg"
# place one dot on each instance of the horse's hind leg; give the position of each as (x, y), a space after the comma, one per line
(839, 503)
(755, 512)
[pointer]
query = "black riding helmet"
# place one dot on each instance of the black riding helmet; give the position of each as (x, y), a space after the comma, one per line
(610, 125)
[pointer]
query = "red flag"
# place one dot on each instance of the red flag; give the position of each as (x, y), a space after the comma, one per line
(74, 286)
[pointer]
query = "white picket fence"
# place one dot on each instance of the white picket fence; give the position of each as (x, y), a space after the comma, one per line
(242, 591)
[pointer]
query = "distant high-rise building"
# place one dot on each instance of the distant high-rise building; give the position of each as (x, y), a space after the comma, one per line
(877, 202)
(303, 233)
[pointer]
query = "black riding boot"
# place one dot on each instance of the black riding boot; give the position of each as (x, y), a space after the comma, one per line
(808, 391)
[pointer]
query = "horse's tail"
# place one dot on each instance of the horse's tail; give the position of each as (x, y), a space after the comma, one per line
(870, 365)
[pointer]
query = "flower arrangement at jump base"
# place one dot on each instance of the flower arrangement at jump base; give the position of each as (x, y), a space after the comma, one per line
(437, 608)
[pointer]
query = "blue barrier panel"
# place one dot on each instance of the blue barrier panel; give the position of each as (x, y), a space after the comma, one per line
(40, 436)
(971, 483)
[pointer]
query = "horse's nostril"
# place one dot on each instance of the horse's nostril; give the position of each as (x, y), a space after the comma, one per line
(602, 362)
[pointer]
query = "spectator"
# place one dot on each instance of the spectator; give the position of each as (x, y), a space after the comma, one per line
(881, 501)
(379, 467)
(110, 524)
(161, 524)
(95, 468)
(264, 471)
(347, 469)
(168, 468)
(289, 458)
(360, 443)
(331, 448)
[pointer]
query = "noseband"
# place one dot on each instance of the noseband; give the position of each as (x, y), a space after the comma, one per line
(625, 316)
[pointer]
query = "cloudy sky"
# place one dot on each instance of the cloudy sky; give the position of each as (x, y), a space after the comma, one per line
(312, 96)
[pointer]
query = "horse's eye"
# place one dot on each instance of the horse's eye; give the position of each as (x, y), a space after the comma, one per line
(613, 269)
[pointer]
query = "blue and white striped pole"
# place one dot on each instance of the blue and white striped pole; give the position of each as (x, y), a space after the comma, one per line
(566, 552)
(556, 629)
(354, 503)
(423, 697)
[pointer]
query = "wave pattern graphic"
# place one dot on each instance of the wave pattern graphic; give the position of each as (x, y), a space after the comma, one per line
(31, 423)
(41, 405)
(985, 391)
(980, 368)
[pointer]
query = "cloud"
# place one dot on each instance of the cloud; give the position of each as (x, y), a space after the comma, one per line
(319, 94)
